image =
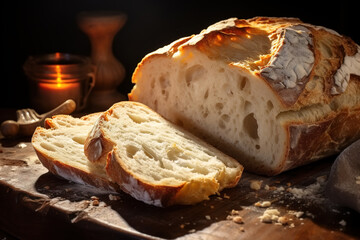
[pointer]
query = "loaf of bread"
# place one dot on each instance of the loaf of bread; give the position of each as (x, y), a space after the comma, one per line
(274, 93)
(154, 160)
(60, 148)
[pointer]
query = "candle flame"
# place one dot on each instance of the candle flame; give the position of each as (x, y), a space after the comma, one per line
(58, 76)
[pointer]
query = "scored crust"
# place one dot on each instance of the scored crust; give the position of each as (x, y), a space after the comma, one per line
(309, 76)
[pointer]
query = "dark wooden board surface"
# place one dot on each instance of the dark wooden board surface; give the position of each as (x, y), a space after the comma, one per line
(35, 204)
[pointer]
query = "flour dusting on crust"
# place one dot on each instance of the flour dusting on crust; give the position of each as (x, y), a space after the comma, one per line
(351, 65)
(294, 59)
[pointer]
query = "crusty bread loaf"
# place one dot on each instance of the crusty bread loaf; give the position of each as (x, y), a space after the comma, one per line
(154, 160)
(60, 148)
(274, 93)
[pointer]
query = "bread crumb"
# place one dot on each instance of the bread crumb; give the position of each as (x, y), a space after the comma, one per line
(95, 202)
(182, 226)
(113, 197)
(255, 184)
(22, 145)
(283, 220)
(263, 204)
(242, 229)
(292, 225)
(192, 230)
(266, 187)
(270, 215)
(234, 212)
(234, 216)
(237, 219)
(342, 223)
(208, 217)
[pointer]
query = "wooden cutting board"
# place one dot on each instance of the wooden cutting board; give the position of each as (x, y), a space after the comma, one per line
(35, 204)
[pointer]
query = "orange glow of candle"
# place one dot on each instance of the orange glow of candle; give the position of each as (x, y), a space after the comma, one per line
(54, 92)
(58, 77)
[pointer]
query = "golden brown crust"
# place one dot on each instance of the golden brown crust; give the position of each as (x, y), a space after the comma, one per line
(324, 138)
(149, 193)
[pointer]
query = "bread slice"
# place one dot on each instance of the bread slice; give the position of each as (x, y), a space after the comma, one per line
(60, 148)
(154, 160)
(274, 93)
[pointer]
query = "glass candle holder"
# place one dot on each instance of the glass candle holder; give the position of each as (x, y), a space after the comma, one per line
(55, 78)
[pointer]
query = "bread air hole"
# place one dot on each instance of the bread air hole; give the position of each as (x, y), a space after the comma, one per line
(194, 73)
(206, 95)
(242, 82)
(59, 144)
(269, 105)
(131, 151)
(219, 106)
(136, 119)
(165, 94)
(79, 139)
(164, 81)
(47, 146)
(205, 113)
(251, 126)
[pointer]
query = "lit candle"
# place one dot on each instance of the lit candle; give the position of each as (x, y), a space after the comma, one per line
(52, 93)
(57, 78)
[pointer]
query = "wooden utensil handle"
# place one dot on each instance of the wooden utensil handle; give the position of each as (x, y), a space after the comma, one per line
(65, 108)
(11, 128)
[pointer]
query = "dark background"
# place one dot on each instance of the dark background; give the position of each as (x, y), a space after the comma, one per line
(45, 26)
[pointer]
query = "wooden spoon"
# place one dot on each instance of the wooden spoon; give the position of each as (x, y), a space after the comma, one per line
(28, 120)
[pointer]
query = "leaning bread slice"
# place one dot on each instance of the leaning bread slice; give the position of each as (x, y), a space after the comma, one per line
(154, 160)
(60, 145)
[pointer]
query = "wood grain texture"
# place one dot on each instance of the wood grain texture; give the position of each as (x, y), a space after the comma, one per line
(35, 204)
